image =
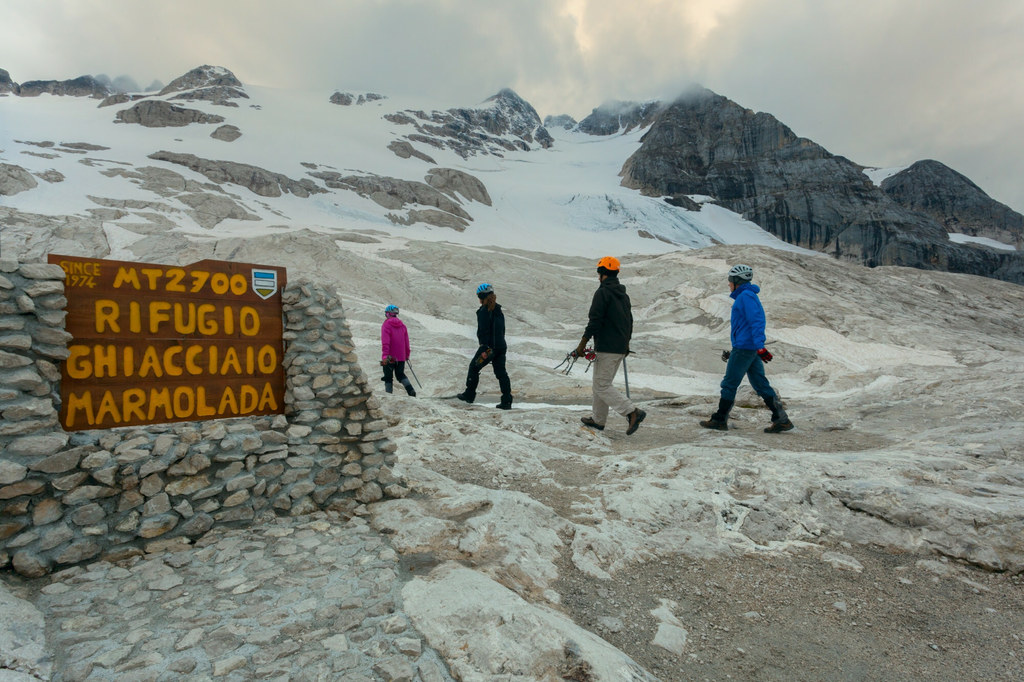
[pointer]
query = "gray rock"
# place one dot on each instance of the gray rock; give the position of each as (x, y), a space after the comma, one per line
(226, 133)
(83, 86)
(404, 150)
(22, 637)
(14, 179)
(158, 114)
(257, 180)
(7, 85)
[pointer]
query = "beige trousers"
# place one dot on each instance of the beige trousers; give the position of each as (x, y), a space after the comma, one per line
(606, 395)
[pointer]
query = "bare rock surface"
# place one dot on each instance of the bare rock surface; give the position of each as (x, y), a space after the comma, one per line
(257, 180)
(159, 114)
(14, 179)
(226, 133)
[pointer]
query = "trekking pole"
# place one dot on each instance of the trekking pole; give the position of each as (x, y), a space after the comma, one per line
(413, 373)
(625, 375)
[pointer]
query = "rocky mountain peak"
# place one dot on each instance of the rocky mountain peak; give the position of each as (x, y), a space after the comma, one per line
(212, 83)
(615, 116)
(756, 166)
(6, 84)
(955, 202)
(204, 76)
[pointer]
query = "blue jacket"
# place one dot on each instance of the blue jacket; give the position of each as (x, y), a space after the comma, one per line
(747, 318)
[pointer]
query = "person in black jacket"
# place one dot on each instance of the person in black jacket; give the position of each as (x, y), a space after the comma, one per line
(490, 333)
(611, 327)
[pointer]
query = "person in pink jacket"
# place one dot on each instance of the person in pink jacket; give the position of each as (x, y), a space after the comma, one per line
(394, 350)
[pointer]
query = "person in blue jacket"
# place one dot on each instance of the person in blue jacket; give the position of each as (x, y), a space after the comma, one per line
(748, 354)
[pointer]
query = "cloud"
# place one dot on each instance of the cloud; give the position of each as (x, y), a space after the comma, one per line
(881, 82)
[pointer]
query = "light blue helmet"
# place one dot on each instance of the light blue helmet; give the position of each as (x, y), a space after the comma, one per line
(391, 311)
(484, 289)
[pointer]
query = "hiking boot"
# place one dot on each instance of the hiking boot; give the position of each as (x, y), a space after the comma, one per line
(779, 427)
(408, 387)
(505, 404)
(466, 397)
(717, 424)
(719, 421)
(635, 417)
(589, 421)
(388, 387)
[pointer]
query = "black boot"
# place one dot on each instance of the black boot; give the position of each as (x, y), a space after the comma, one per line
(388, 387)
(466, 397)
(720, 419)
(506, 403)
(408, 387)
(780, 420)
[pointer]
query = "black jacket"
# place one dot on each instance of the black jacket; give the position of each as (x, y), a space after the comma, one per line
(490, 328)
(611, 318)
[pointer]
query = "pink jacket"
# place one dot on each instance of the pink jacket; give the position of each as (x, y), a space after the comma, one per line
(394, 340)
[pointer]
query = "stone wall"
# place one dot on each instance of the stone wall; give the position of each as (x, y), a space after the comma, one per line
(69, 497)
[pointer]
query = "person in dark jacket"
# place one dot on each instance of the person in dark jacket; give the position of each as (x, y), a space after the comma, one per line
(611, 327)
(490, 333)
(748, 354)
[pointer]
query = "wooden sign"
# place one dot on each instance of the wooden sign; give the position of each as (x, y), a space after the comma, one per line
(161, 343)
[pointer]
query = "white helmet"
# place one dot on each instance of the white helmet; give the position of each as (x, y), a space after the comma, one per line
(740, 273)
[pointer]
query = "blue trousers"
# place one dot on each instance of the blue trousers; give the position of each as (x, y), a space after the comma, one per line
(745, 362)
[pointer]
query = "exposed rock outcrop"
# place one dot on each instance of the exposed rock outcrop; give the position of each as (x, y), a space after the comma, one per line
(347, 98)
(121, 98)
(615, 116)
(955, 202)
(396, 193)
(152, 113)
(452, 182)
(7, 85)
(83, 86)
(255, 179)
(14, 179)
(793, 188)
(404, 150)
(209, 83)
(227, 133)
(504, 123)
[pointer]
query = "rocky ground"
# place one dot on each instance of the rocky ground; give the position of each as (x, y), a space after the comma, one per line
(881, 539)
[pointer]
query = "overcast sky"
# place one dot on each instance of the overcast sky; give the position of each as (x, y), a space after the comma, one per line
(882, 82)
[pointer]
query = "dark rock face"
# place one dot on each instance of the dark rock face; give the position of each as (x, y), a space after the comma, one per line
(7, 85)
(793, 188)
(955, 202)
(158, 114)
(564, 121)
(483, 130)
(612, 117)
(83, 86)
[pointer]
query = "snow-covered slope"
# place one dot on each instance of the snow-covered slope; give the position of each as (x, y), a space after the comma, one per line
(563, 199)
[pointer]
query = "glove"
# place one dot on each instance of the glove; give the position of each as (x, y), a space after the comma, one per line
(581, 349)
(764, 355)
(725, 355)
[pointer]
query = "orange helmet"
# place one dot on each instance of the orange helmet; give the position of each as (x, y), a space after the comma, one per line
(610, 263)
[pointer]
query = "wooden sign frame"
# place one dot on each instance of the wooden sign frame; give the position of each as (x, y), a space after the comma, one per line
(162, 343)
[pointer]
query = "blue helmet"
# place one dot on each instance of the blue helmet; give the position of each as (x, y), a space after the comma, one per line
(391, 311)
(484, 289)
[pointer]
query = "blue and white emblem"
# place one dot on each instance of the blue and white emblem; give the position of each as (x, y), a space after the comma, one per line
(264, 282)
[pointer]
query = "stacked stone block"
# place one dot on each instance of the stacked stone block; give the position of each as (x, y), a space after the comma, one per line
(111, 493)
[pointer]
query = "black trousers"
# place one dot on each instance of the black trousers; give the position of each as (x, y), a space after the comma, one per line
(497, 362)
(396, 369)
